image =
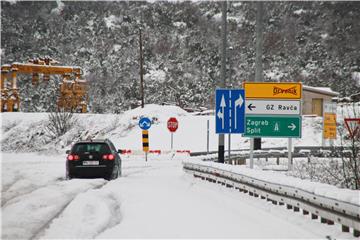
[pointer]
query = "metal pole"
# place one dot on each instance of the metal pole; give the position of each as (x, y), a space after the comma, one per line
(259, 50)
(172, 137)
(290, 166)
(141, 71)
(221, 150)
(323, 125)
(207, 145)
(251, 153)
(229, 145)
(145, 156)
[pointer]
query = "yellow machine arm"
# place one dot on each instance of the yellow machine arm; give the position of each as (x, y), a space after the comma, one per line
(73, 91)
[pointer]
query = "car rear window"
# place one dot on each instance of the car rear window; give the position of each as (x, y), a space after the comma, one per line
(101, 148)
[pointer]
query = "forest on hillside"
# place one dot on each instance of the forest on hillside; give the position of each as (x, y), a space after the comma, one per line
(317, 43)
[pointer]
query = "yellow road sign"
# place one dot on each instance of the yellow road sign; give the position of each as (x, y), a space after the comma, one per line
(273, 90)
(329, 125)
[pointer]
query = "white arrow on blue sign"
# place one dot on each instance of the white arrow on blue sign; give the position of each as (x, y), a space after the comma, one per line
(230, 110)
(144, 123)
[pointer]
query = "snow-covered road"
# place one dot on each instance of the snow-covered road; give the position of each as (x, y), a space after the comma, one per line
(153, 199)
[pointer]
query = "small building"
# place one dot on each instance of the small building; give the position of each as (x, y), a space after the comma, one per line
(314, 98)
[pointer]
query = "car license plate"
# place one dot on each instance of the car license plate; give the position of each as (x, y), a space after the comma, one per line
(90, 163)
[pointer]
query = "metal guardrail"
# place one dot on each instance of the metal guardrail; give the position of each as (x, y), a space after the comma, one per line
(281, 152)
(330, 210)
(234, 151)
(297, 149)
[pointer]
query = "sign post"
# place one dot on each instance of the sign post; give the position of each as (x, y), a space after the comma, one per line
(207, 137)
(273, 110)
(172, 125)
(145, 124)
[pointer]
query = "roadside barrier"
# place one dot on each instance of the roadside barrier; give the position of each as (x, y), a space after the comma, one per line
(328, 209)
(156, 151)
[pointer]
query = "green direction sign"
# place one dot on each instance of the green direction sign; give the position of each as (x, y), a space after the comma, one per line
(272, 126)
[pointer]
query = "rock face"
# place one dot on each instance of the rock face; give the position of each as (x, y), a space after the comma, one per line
(313, 42)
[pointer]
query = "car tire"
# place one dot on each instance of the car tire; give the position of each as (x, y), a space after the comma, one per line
(114, 174)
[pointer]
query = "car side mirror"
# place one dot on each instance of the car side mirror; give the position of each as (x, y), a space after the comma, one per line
(120, 151)
(67, 151)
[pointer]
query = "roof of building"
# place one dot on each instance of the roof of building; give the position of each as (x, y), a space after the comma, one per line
(322, 90)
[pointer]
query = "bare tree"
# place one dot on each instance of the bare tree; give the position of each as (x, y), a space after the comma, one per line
(59, 123)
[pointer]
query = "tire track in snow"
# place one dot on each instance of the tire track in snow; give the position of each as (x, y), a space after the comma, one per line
(26, 217)
(88, 215)
(20, 188)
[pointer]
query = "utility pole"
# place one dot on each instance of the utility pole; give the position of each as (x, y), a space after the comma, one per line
(141, 70)
(259, 50)
(221, 150)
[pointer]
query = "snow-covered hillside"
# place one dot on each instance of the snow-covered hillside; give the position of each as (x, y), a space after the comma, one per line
(25, 132)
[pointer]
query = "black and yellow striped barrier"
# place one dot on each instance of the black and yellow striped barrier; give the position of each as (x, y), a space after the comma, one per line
(145, 140)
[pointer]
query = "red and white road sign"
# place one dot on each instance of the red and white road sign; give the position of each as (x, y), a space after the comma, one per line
(353, 126)
(172, 124)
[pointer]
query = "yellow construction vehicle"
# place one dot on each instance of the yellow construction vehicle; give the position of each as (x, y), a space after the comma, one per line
(73, 89)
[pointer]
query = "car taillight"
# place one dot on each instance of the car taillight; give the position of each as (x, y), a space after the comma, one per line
(72, 157)
(108, 157)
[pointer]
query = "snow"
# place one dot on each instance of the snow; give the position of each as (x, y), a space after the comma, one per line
(112, 21)
(274, 74)
(153, 199)
(324, 35)
(156, 76)
(117, 47)
(300, 11)
(356, 77)
(60, 7)
(324, 90)
(179, 24)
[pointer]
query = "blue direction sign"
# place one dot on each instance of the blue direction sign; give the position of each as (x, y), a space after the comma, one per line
(230, 110)
(145, 123)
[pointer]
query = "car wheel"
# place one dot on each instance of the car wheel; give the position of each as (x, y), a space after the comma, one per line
(67, 175)
(115, 173)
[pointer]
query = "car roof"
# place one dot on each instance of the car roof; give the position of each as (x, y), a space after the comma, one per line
(94, 141)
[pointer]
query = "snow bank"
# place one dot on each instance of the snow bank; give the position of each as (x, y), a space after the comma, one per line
(325, 190)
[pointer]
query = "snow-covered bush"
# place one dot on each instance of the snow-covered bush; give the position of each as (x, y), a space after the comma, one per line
(59, 123)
